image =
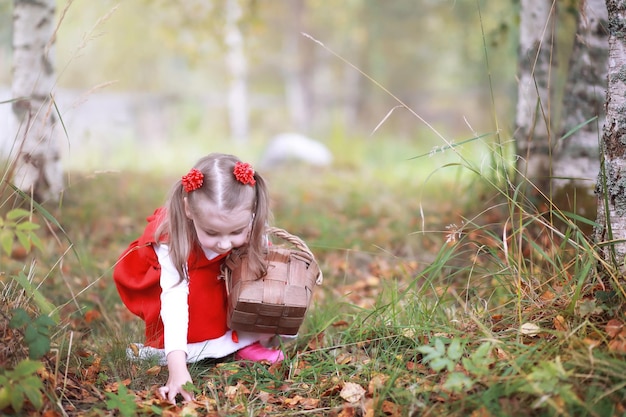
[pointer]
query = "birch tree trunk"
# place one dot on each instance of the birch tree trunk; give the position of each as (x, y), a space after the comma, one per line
(610, 233)
(37, 169)
(297, 95)
(238, 111)
(533, 101)
(576, 157)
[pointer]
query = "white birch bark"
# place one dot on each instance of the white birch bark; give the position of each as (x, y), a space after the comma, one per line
(238, 111)
(295, 91)
(37, 168)
(611, 187)
(576, 159)
(533, 101)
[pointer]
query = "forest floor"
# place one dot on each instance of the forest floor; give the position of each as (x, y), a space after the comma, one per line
(451, 299)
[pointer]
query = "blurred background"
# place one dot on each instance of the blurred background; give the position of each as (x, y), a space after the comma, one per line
(163, 82)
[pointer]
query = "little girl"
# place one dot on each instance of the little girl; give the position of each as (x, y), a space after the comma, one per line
(171, 276)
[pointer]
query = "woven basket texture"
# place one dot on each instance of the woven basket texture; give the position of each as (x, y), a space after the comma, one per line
(276, 303)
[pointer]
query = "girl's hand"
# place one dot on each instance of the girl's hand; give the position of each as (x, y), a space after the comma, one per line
(179, 376)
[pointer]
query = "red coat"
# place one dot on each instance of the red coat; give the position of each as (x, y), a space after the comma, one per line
(137, 277)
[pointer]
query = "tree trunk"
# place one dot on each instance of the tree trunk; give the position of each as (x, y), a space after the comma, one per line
(576, 160)
(611, 188)
(237, 65)
(298, 96)
(533, 101)
(37, 169)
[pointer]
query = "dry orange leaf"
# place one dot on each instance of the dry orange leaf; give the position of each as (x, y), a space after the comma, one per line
(305, 403)
(331, 391)
(92, 372)
(19, 253)
(155, 370)
(560, 324)
(347, 412)
(92, 315)
(316, 342)
(592, 343)
(391, 409)
(412, 366)
(293, 401)
(344, 358)
(310, 403)
(617, 345)
(614, 327)
(114, 386)
(134, 348)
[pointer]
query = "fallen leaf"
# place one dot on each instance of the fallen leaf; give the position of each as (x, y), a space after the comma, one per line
(502, 354)
(617, 345)
(230, 392)
(92, 372)
(302, 402)
(547, 296)
(391, 409)
(190, 409)
(376, 383)
(293, 401)
(614, 327)
(352, 392)
(331, 391)
(412, 366)
(155, 370)
(344, 359)
(347, 412)
(310, 403)
(316, 342)
(134, 348)
(114, 386)
(529, 329)
(586, 307)
(92, 315)
(19, 253)
(592, 343)
(560, 324)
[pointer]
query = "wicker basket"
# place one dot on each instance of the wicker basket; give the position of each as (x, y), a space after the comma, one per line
(276, 303)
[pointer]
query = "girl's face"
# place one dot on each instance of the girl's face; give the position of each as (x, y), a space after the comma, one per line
(220, 231)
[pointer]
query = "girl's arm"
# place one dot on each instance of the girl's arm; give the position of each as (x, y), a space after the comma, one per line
(175, 316)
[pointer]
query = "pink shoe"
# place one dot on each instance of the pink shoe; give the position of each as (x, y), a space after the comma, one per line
(257, 353)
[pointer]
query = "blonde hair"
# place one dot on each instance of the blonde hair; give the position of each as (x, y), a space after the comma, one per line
(221, 188)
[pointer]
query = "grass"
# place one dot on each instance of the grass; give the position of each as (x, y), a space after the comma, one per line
(436, 301)
(446, 292)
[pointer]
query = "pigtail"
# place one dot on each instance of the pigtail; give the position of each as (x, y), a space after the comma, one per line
(176, 230)
(257, 247)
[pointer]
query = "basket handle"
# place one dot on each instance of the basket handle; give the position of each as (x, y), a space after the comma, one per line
(298, 243)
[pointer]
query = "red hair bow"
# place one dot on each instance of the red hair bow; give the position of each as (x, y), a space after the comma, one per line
(193, 180)
(244, 173)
